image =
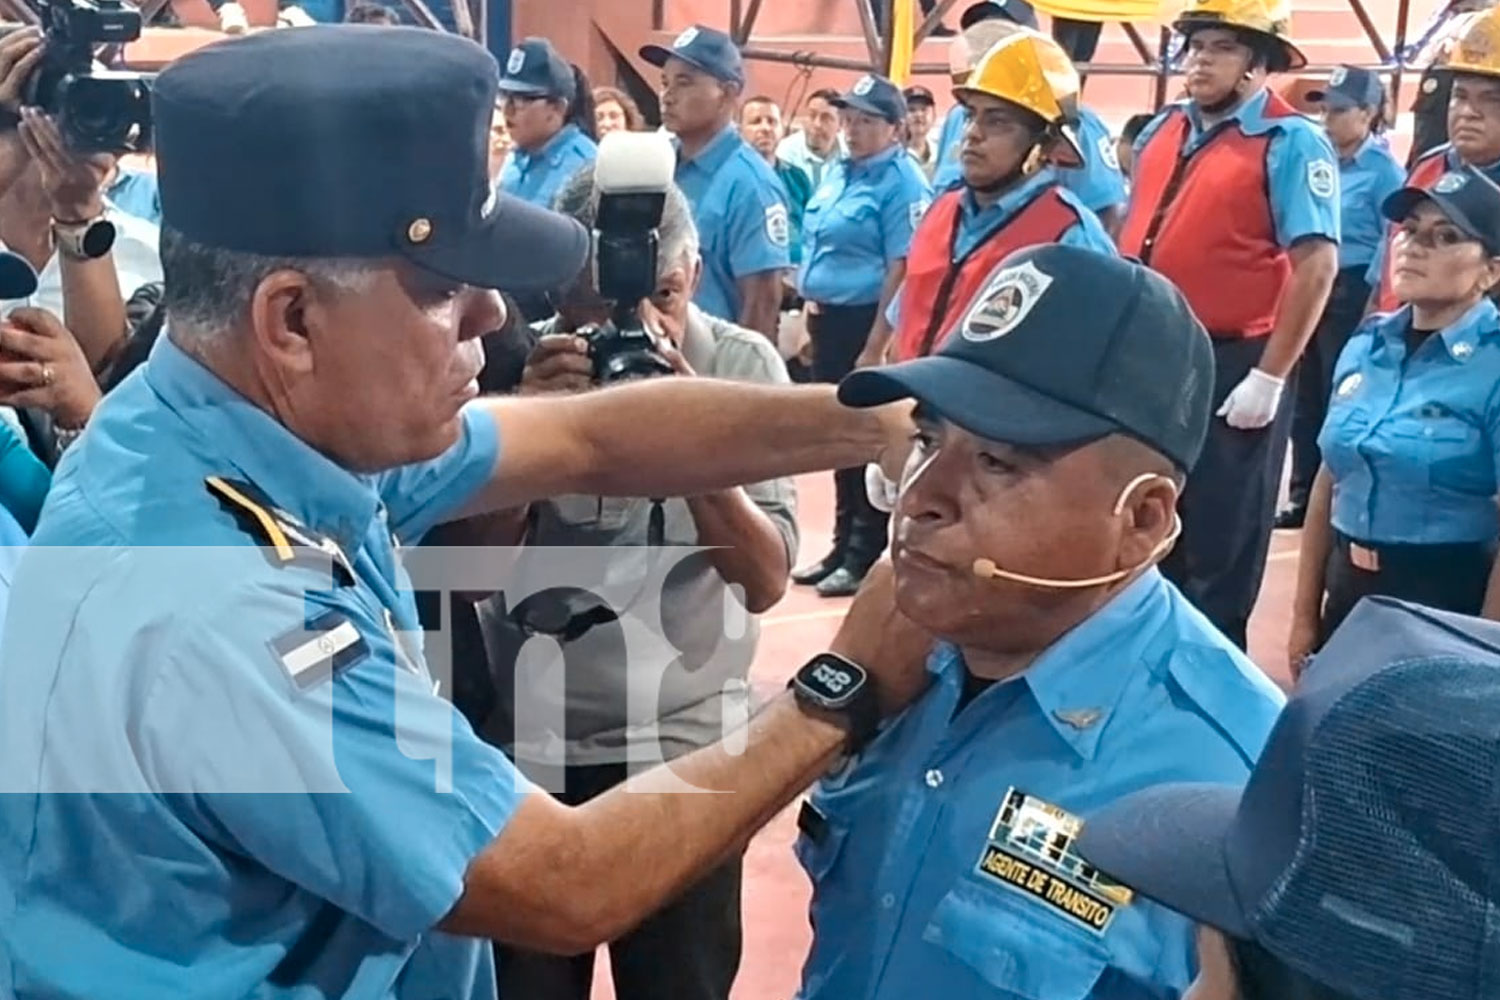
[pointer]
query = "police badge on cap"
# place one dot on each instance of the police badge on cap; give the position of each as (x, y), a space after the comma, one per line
(1007, 299)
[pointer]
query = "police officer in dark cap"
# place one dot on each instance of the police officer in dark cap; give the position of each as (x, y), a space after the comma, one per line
(213, 637)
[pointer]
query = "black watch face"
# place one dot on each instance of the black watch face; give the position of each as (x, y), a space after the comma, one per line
(831, 679)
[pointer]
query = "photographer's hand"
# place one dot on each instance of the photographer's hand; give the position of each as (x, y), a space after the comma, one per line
(74, 184)
(669, 333)
(560, 362)
(41, 365)
(20, 52)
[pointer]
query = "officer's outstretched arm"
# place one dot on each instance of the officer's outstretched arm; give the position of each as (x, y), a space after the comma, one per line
(680, 437)
(565, 880)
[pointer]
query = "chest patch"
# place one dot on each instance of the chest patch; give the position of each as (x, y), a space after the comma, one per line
(1030, 850)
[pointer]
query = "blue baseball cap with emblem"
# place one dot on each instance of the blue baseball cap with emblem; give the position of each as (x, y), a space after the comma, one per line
(1466, 196)
(703, 48)
(874, 95)
(1064, 346)
(1363, 851)
(1350, 87)
(389, 129)
(535, 69)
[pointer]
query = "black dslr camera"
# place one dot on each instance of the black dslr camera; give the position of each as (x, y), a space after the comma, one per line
(97, 110)
(625, 241)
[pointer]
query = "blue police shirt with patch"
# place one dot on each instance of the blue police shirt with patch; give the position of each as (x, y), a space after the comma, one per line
(976, 224)
(242, 828)
(1452, 161)
(1098, 183)
(1145, 691)
(858, 222)
(743, 224)
(537, 177)
(1412, 438)
(1366, 179)
(1300, 166)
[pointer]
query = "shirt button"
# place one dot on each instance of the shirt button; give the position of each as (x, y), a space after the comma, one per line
(888, 901)
(934, 778)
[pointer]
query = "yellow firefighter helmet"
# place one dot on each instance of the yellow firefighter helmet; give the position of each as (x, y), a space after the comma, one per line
(1270, 18)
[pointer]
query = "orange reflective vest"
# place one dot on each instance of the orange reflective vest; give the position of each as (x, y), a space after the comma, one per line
(1204, 221)
(1424, 174)
(938, 287)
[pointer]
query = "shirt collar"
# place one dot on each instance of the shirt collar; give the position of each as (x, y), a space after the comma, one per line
(553, 151)
(1461, 337)
(870, 164)
(1452, 160)
(1078, 681)
(1250, 116)
(296, 477)
(1013, 200)
(713, 156)
(1365, 151)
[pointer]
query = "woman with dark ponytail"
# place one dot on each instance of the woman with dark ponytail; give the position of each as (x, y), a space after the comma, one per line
(549, 111)
(581, 108)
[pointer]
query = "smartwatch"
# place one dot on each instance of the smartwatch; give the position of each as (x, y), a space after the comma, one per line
(830, 684)
(84, 240)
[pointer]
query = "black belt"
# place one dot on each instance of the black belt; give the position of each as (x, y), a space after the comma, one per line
(1376, 557)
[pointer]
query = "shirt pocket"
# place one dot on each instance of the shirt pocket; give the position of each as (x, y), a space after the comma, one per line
(1449, 447)
(1339, 439)
(1017, 944)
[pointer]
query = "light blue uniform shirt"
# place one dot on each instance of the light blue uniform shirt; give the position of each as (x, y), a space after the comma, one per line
(1143, 692)
(1301, 166)
(860, 219)
(1366, 179)
(537, 177)
(1099, 183)
(149, 658)
(743, 224)
(1412, 443)
(1452, 162)
(136, 192)
(977, 224)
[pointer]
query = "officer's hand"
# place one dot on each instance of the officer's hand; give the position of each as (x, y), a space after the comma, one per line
(42, 366)
(20, 52)
(560, 362)
(1252, 405)
(74, 183)
(885, 642)
(1300, 643)
(870, 359)
(898, 431)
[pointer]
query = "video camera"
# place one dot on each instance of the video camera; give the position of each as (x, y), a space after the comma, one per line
(96, 109)
(632, 173)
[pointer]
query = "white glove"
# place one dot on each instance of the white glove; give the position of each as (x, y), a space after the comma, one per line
(882, 492)
(1252, 404)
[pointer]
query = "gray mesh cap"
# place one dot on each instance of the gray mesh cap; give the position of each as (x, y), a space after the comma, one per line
(1365, 849)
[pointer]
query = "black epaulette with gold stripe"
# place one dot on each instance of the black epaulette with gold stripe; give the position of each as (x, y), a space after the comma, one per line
(283, 538)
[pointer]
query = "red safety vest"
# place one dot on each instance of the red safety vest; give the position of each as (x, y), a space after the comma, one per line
(1424, 174)
(939, 287)
(1204, 221)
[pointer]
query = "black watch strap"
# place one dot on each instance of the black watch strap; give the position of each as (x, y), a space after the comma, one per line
(831, 684)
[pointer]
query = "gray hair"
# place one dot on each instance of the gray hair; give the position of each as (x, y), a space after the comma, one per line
(208, 290)
(677, 236)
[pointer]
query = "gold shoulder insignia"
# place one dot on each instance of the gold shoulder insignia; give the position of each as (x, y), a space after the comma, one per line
(281, 534)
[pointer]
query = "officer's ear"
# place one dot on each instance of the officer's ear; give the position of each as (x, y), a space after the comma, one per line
(284, 316)
(1491, 278)
(694, 274)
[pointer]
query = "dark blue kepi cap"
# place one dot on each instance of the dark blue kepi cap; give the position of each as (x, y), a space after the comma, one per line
(351, 141)
(536, 69)
(1363, 850)
(1350, 87)
(704, 48)
(1466, 196)
(1063, 346)
(875, 95)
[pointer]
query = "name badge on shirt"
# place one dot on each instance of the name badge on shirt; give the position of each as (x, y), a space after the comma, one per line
(1030, 850)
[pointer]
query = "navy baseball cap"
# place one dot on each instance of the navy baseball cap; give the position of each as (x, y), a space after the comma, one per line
(1469, 199)
(918, 94)
(1363, 852)
(703, 48)
(874, 95)
(365, 142)
(1015, 11)
(1063, 346)
(1350, 87)
(535, 69)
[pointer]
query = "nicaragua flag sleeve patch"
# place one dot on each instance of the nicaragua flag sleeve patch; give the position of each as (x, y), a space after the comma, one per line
(328, 645)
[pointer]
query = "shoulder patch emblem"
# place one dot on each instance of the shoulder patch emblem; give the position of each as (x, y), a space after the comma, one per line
(329, 644)
(1030, 851)
(1350, 385)
(279, 533)
(778, 225)
(1107, 152)
(1321, 178)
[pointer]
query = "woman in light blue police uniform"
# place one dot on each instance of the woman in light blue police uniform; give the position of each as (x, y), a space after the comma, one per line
(549, 111)
(1354, 118)
(856, 234)
(1404, 504)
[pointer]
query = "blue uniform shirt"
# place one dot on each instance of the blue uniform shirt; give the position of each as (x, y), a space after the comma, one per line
(135, 192)
(1099, 183)
(1453, 162)
(1413, 443)
(1301, 169)
(859, 220)
(160, 653)
(1143, 692)
(743, 224)
(1366, 179)
(977, 224)
(537, 177)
